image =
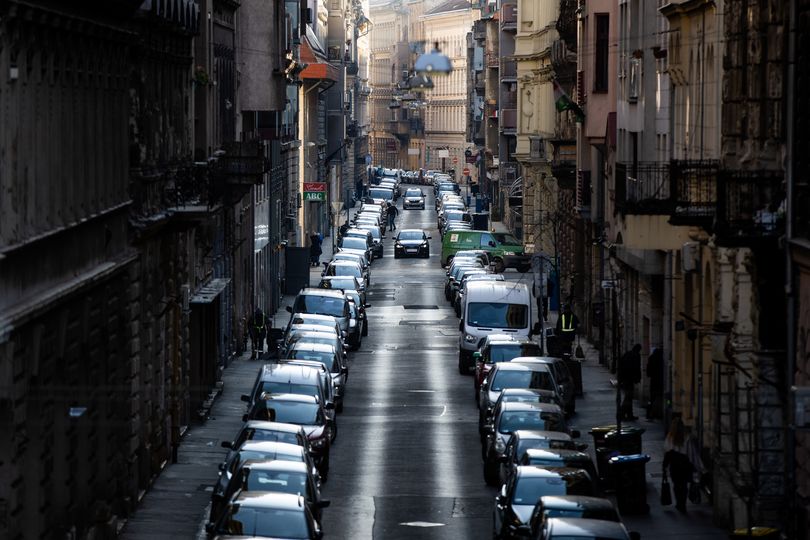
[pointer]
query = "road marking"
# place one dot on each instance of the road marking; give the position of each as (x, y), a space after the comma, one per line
(422, 391)
(444, 410)
(422, 524)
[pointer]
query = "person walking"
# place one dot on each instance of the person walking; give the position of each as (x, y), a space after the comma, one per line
(682, 458)
(315, 249)
(392, 216)
(629, 373)
(567, 326)
(655, 372)
(258, 332)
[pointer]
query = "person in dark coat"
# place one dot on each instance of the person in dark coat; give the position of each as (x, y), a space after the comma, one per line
(655, 372)
(257, 326)
(315, 249)
(682, 458)
(629, 375)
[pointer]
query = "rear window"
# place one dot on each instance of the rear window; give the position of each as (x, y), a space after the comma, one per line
(521, 379)
(380, 193)
(325, 358)
(505, 353)
(354, 242)
(320, 305)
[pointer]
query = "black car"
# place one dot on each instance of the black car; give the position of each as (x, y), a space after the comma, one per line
(411, 242)
(267, 515)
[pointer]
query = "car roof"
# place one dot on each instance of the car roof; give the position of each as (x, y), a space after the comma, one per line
(270, 499)
(527, 392)
(271, 446)
(511, 406)
(324, 332)
(265, 425)
(575, 502)
(298, 398)
(510, 366)
(561, 453)
(543, 359)
(587, 528)
(542, 471)
(320, 328)
(344, 263)
(320, 292)
(312, 316)
(493, 286)
(314, 347)
(529, 434)
(284, 371)
(277, 465)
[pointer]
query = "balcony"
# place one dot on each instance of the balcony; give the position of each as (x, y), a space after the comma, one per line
(509, 17)
(749, 207)
(643, 188)
(509, 100)
(693, 189)
(243, 163)
(400, 128)
(508, 70)
(493, 59)
(508, 120)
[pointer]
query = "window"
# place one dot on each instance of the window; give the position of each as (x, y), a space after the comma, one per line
(600, 80)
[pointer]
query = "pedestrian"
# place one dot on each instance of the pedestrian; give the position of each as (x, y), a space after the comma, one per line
(315, 249)
(629, 375)
(655, 372)
(392, 216)
(258, 332)
(567, 326)
(682, 457)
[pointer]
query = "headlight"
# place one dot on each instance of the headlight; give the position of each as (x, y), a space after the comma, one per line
(424, 244)
(500, 446)
(508, 252)
(319, 443)
(398, 245)
(469, 338)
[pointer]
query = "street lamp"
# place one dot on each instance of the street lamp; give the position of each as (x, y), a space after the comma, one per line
(433, 62)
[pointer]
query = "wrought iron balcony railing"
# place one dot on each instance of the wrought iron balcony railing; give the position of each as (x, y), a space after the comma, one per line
(643, 188)
(693, 189)
(750, 206)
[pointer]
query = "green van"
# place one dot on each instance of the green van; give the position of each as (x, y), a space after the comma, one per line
(505, 251)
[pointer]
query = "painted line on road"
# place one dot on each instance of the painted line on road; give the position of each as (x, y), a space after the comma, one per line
(444, 410)
(422, 524)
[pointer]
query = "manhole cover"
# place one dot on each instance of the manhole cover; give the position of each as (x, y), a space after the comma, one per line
(419, 306)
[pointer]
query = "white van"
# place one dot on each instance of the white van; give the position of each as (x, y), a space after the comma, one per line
(492, 307)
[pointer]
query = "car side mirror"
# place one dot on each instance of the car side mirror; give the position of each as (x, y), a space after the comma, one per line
(461, 325)
(245, 398)
(575, 434)
(288, 309)
(226, 444)
(366, 306)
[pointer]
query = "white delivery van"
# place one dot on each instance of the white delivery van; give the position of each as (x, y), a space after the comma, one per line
(492, 307)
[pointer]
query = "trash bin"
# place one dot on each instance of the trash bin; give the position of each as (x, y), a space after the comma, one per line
(629, 478)
(607, 442)
(575, 368)
(761, 533)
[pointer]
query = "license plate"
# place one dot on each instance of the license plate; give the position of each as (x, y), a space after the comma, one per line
(411, 251)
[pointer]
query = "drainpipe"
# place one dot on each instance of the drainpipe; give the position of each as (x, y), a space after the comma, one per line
(790, 442)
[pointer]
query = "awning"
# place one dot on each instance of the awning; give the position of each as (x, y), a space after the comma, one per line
(209, 292)
(318, 67)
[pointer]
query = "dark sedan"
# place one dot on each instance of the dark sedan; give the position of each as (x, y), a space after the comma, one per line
(411, 242)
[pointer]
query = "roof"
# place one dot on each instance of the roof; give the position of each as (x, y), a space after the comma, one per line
(264, 425)
(321, 292)
(270, 499)
(527, 392)
(529, 434)
(574, 501)
(314, 347)
(587, 527)
(300, 398)
(510, 366)
(284, 371)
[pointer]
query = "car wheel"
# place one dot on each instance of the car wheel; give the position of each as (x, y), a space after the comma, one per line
(396, 255)
(427, 254)
(499, 267)
(334, 432)
(490, 473)
(365, 329)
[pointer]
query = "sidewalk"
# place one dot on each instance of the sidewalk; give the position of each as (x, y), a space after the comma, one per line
(598, 407)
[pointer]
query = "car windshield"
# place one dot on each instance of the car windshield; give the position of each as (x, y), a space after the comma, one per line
(344, 270)
(279, 481)
(546, 444)
(506, 238)
(456, 216)
(270, 435)
(512, 421)
(411, 235)
(270, 522)
(325, 358)
(380, 193)
(273, 387)
(413, 193)
(320, 305)
(521, 379)
(497, 315)
(603, 513)
(504, 353)
(344, 283)
(326, 340)
(530, 488)
(354, 242)
(291, 412)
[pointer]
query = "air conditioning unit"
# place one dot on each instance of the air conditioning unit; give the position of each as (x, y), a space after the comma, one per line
(690, 256)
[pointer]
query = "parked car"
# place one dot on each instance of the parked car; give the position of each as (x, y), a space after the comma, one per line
(505, 250)
(508, 375)
(562, 376)
(323, 302)
(281, 378)
(344, 269)
(378, 249)
(344, 283)
(509, 417)
(569, 506)
(517, 498)
(282, 477)
(267, 515)
(330, 358)
(499, 348)
(560, 458)
(414, 242)
(521, 440)
(565, 528)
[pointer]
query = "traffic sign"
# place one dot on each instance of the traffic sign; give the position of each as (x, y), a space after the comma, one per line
(455, 160)
(466, 171)
(315, 196)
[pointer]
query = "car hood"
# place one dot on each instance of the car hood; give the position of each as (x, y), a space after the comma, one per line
(414, 198)
(523, 511)
(313, 432)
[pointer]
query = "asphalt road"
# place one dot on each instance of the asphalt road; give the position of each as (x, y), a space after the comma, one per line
(406, 463)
